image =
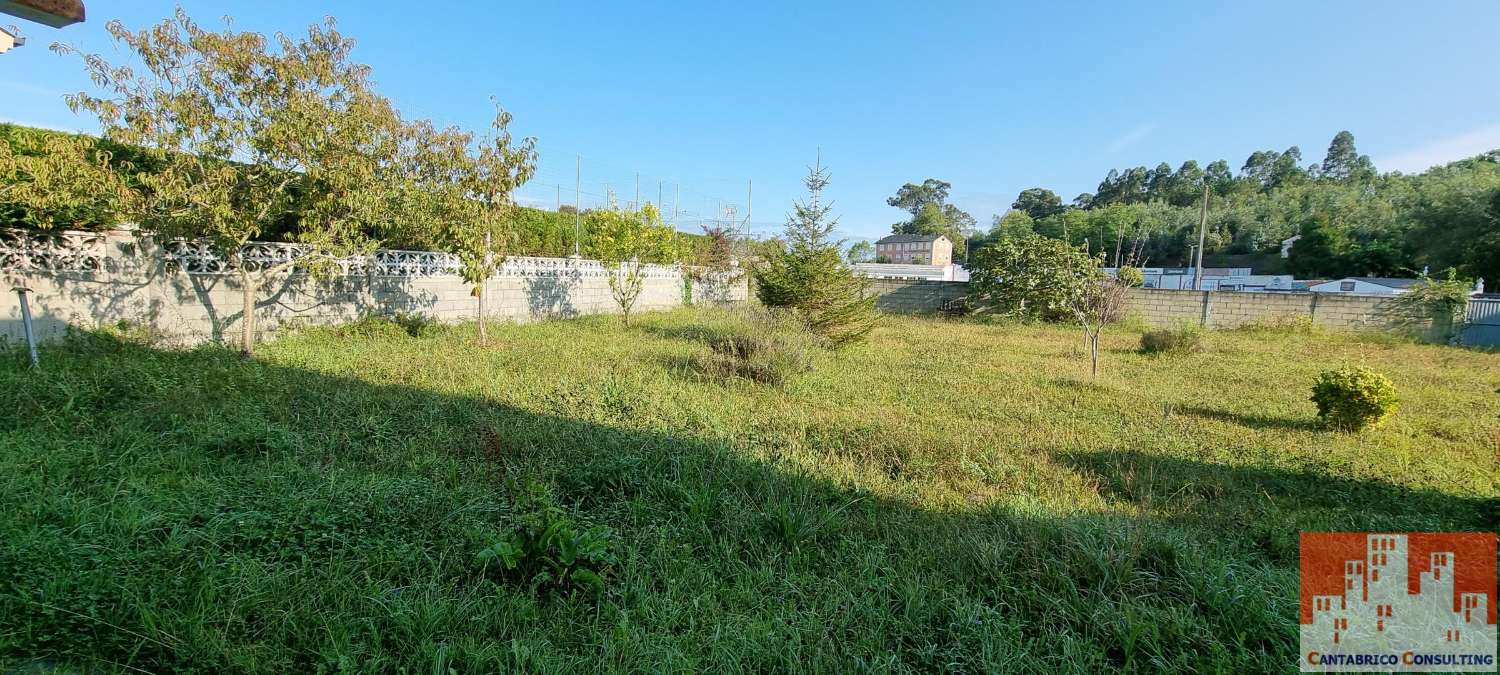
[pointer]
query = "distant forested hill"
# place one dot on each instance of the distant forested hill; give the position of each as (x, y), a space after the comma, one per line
(1353, 219)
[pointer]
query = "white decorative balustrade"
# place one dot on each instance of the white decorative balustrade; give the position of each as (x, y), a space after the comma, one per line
(87, 251)
(66, 251)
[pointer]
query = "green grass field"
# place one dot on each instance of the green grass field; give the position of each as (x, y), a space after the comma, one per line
(950, 496)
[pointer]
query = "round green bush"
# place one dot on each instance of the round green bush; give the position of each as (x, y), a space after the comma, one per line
(1351, 399)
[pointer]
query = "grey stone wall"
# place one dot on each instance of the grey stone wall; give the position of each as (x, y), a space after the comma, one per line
(1160, 307)
(131, 282)
(1231, 309)
(906, 296)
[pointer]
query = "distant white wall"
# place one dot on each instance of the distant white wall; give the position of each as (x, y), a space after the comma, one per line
(1354, 286)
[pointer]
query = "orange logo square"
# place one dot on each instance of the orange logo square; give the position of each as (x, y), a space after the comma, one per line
(1397, 601)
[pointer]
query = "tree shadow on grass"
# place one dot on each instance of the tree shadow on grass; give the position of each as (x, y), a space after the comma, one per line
(1252, 420)
(193, 510)
(1240, 501)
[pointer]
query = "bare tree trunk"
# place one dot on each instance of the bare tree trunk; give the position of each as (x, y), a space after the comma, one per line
(1119, 241)
(479, 290)
(1094, 347)
(479, 293)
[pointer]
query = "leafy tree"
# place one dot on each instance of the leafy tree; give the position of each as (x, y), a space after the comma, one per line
(1099, 301)
(715, 250)
(808, 274)
(1219, 177)
(861, 252)
(1318, 252)
(464, 199)
(1015, 223)
(1260, 167)
(625, 241)
(1436, 306)
(1287, 169)
(61, 181)
(1159, 182)
(961, 228)
(249, 138)
(1343, 161)
(1033, 276)
(959, 220)
(1187, 185)
(912, 198)
(934, 220)
(931, 214)
(1038, 203)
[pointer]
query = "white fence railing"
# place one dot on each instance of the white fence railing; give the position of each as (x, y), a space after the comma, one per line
(65, 251)
(70, 251)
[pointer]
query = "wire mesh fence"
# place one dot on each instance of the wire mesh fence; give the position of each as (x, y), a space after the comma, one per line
(566, 180)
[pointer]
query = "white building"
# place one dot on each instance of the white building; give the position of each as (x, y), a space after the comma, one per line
(923, 272)
(915, 249)
(1286, 245)
(9, 40)
(1214, 279)
(1365, 286)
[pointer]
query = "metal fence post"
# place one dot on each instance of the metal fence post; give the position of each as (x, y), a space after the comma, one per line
(21, 292)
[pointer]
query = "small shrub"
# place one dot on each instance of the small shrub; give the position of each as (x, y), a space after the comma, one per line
(397, 326)
(1351, 399)
(1284, 325)
(138, 333)
(769, 347)
(549, 549)
(1186, 339)
(763, 359)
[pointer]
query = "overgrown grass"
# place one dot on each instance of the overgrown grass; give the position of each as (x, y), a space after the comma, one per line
(948, 497)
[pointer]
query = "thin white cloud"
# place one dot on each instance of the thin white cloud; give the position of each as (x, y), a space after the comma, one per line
(29, 88)
(1442, 150)
(1131, 138)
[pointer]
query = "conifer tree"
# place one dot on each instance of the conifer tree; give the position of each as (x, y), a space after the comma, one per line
(808, 274)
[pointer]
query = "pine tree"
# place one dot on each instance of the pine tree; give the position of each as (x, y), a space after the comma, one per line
(809, 275)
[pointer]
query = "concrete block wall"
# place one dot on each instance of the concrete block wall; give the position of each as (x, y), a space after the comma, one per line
(1232, 309)
(189, 309)
(912, 296)
(1165, 308)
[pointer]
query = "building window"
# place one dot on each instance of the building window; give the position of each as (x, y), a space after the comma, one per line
(1346, 286)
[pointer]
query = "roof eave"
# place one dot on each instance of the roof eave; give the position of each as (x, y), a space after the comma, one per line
(54, 13)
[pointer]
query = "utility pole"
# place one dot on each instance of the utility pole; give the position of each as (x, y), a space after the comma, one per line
(1202, 228)
(637, 190)
(675, 201)
(658, 195)
(749, 202)
(577, 202)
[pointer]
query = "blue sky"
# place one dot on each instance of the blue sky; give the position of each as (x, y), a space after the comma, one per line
(992, 97)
